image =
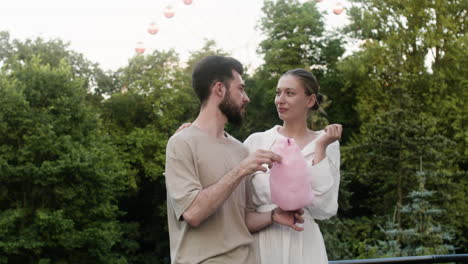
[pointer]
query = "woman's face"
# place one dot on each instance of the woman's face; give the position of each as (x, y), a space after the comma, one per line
(291, 100)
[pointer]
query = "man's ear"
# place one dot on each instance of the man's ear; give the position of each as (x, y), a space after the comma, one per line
(219, 89)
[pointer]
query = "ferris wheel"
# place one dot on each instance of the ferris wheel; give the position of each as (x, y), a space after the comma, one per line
(176, 13)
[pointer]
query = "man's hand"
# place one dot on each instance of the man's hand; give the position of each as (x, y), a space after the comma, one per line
(288, 218)
(254, 162)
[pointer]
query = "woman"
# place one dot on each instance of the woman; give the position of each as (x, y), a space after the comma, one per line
(297, 94)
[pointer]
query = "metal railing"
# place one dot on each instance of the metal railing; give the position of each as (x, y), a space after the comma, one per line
(455, 258)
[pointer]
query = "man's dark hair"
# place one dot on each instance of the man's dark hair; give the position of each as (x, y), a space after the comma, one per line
(210, 70)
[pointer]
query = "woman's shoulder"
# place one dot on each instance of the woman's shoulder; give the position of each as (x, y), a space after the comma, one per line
(261, 136)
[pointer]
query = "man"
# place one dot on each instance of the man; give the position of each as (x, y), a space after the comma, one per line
(209, 200)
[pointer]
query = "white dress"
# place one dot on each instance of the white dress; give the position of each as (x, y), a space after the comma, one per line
(280, 244)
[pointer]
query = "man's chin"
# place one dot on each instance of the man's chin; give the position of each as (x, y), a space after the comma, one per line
(237, 122)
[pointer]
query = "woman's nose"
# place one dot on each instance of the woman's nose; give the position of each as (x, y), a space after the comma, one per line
(281, 98)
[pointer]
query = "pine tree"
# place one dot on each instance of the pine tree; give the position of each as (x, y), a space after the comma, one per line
(422, 232)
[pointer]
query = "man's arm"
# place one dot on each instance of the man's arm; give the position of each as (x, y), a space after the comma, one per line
(208, 200)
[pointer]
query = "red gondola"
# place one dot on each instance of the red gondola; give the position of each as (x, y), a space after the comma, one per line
(140, 47)
(169, 11)
(153, 28)
(338, 9)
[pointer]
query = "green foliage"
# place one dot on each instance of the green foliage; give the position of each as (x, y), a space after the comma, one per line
(82, 150)
(60, 179)
(340, 96)
(348, 238)
(400, 101)
(52, 53)
(422, 233)
(412, 32)
(208, 49)
(293, 32)
(158, 98)
(261, 112)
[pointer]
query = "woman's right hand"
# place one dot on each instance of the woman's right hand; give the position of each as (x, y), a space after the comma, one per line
(332, 134)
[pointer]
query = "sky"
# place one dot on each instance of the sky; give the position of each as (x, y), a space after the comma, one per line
(107, 31)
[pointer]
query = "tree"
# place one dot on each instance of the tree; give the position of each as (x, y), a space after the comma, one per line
(208, 49)
(157, 98)
(293, 36)
(422, 233)
(429, 39)
(52, 52)
(340, 99)
(399, 104)
(60, 179)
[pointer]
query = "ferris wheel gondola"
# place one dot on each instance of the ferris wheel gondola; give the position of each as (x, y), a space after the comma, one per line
(140, 47)
(169, 11)
(338, 8)
(153, 28)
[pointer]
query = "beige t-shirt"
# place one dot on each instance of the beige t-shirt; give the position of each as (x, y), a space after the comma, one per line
(194, 161)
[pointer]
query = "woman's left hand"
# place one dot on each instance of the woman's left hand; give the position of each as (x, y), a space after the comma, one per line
(288, 218)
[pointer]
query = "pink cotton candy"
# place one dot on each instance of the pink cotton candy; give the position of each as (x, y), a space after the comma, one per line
(289, 181)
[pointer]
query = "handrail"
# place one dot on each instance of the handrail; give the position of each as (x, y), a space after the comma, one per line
(429, 259)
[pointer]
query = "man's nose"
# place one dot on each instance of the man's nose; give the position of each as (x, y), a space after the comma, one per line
(246, 98)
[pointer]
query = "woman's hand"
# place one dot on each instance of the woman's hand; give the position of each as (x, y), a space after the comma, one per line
(332, 134)
(183, 126)
(288, 218)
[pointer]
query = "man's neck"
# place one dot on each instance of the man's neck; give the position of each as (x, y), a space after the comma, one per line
(212, 121)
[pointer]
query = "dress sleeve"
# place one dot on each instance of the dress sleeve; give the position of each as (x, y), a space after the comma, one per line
(251, 142)
(325, 182)
(182, 182)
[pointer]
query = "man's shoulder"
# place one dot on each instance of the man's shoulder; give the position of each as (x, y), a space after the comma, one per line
(180, 141)
(232, 138)
(184, 135)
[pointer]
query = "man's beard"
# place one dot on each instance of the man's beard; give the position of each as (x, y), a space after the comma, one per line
(233, 113)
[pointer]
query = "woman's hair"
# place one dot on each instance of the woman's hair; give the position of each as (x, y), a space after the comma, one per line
(310, 84)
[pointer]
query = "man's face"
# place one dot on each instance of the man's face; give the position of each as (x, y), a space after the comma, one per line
(235, 100)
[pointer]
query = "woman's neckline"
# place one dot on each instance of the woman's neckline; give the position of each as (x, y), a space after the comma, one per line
(317, 135)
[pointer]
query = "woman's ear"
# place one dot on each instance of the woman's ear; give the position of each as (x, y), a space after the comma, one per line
(311, 101)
